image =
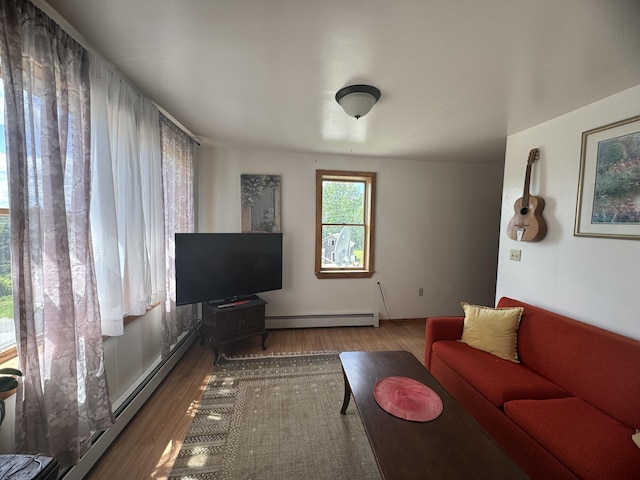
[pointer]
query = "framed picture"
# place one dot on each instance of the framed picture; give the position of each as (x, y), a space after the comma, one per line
(260, 203)
(608, 203)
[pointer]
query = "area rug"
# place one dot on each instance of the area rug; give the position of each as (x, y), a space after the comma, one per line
(275, 417)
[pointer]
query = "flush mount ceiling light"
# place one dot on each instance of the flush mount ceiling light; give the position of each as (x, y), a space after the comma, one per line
(357, 100)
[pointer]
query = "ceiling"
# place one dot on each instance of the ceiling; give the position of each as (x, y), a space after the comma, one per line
(456, 76)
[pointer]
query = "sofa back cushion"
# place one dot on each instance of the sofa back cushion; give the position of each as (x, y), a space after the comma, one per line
(599, 366)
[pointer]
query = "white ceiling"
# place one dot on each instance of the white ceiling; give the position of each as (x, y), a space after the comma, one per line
(456, 76)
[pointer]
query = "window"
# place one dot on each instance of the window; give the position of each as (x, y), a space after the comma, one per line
(7, 328)
(344, 224)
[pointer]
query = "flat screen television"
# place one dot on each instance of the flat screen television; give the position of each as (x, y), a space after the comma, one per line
(225, 267)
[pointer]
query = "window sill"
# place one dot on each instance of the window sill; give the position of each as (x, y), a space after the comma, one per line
(131, 318)
(9, 358)
(344, 274)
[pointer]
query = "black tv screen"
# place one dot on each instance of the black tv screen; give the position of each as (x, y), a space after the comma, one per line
(216, 267)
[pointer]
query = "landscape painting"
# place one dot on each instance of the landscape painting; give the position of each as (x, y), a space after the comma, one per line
(609, 197)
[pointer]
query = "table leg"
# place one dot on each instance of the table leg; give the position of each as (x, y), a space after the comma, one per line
(347, 394)
(216, 355)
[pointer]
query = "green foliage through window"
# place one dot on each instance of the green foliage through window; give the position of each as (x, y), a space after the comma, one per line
(344, 216)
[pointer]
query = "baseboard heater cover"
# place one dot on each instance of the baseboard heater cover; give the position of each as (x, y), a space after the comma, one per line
(323, 320)
(127, 410)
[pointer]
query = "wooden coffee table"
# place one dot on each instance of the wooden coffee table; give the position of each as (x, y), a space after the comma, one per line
(453, 446)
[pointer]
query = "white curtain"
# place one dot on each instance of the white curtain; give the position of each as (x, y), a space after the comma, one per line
(127, 219)
(152, 200)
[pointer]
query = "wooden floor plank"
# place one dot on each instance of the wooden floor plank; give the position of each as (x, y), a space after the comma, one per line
(149, 445)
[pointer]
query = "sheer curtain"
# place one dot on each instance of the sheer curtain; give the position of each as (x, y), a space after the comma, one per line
(127, 218)
(63, 397)
(142, 195)
(178, 156)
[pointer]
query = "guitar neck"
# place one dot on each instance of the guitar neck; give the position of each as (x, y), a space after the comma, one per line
(533, 156)
(527, 180)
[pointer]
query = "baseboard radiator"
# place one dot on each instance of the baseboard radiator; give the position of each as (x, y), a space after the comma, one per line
(370, 319)
(127, 409)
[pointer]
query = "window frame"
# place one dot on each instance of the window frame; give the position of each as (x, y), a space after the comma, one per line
(367, 270)
(10, 352)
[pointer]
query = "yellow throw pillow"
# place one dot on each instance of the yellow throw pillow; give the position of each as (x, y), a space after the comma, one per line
(492, 330)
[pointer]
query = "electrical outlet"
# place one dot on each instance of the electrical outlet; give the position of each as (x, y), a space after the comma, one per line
(420, 292)
(515, 255)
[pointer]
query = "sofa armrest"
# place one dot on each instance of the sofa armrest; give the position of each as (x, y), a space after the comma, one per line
(441, 328)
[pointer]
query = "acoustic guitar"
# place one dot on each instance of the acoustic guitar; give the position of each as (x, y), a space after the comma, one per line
(527, 224)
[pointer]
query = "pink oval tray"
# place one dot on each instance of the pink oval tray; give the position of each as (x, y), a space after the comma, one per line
(408, 399)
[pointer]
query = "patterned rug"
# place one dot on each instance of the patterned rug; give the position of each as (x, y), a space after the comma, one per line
(275, 417)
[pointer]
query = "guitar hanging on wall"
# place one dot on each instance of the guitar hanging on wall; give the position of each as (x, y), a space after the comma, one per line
(527, 224)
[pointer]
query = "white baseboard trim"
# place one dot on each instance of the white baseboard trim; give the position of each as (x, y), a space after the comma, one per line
(371, 319)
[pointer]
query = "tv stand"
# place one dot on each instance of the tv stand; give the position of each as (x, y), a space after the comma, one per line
(227, 322)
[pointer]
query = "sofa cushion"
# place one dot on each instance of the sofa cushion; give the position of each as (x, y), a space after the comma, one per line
(498, 380)
(493, 330)
(594, 364)
(440, 328)
(588, 441)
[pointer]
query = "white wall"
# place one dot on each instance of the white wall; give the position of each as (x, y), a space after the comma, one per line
(8, 427)
(591, 279)
(128, 357)
(436, 228)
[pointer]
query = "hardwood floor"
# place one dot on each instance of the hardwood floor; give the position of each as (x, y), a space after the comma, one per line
(150, 443)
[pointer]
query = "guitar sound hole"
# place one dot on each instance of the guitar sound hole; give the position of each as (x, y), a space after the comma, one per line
(524, 210)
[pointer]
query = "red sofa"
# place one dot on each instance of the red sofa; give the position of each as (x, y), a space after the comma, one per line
(566, 411)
